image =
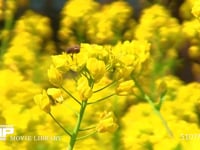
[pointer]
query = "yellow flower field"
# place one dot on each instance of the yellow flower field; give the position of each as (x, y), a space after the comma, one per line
(109, 77)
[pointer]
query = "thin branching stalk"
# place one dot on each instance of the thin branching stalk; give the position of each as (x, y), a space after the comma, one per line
(60, 124)
(77, 127)
(104, 87)
(150, 101)
(71, 95)
(83, 137)
(102, 99)
(89, 128)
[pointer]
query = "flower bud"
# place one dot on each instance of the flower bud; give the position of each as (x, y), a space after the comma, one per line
(107, 123)
(97, 68)
(125, 88)
(85, 91)
(61, 61)
(55, 76)
(42, 100)
(56, 94)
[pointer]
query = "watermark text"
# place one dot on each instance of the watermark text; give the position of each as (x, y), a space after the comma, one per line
(190, 136)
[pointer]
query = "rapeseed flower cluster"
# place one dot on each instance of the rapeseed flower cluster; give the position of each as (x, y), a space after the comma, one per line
(112, 87)
(157, 26)
(88, 69)
(88, 21)
(25, 46)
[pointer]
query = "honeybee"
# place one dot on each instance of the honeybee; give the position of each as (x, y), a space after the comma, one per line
(73, 49)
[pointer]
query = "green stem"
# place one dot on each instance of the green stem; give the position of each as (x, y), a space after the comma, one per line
(59, 124)
(83, 137)
(104, 87)
(104, 98)
(89, 128)
(77, 127)
(160, 102)
(150, 101)
(164, 122)
(71, 95)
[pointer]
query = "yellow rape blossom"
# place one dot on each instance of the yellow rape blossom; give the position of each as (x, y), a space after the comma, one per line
(77, 9)
(189, 101)
(107, 123)
(107, 24)
(74, 16)
(156, 23)
(61, 61)
(42, 100)
(55, 76)
(14, 58)
(27, 45)
(27, 23)
(56, 94)
(97, 68)
(84, 90)
(129, 57)
(125, 88)
(94, 50)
